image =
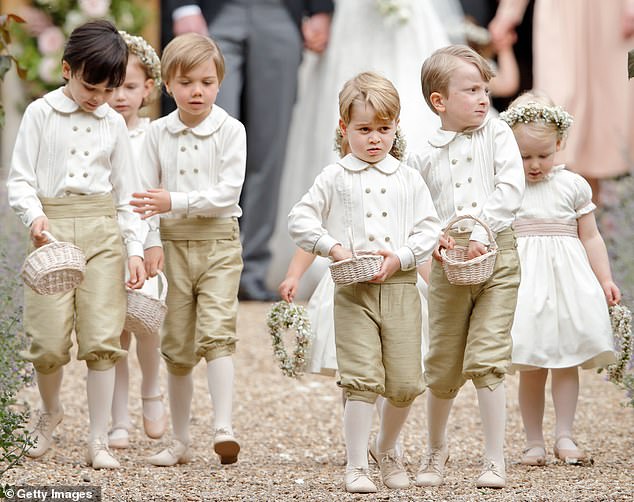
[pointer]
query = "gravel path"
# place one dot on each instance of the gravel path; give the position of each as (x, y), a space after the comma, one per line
(292, 445)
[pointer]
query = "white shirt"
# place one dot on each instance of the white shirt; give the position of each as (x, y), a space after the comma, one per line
(386, 206)
(61, 151)
(477, 172)
(202, 167)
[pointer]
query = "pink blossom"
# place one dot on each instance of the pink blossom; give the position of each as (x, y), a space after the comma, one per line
(50, 41)
(49, 70)
(94, 8)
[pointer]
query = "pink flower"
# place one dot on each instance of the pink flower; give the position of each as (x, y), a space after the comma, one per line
(49, 70)
(50, 41)
(94, 8)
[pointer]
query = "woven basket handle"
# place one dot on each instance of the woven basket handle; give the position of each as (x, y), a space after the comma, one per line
(456, 219)
(49, 236)
(163, 285)
(351, 240)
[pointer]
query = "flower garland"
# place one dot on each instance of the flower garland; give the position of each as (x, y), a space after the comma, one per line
(395, 11)
(284, 316)
(146, 54)
(621, 320)
(534, 112)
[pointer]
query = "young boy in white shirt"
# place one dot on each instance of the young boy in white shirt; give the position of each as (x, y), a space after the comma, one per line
(472, 167)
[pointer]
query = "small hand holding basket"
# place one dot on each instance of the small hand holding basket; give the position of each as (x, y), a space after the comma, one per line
(56, 267)
(363, 266)
(461, 271)
(145, 313)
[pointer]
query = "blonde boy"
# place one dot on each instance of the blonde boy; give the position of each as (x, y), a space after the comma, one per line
(472, 167)
(197, 154)
(385, 206)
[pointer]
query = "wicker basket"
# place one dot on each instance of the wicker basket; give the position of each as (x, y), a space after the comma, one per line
(459, 270)
(362, 267)
(54, 268)
(145, 313)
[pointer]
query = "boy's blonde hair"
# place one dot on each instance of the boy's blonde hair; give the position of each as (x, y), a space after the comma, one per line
(373, 89)
(440, 66)
(187, 51)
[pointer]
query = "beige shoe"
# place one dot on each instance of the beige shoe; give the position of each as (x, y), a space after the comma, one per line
(118, 437)
(42, 432)
(155, 429)
(357, 480)
(534, 454)
(175, 453)
(393, 472)
(493, 476)
(573, 456)
(226, 446)
(98, 455)
(432, 469)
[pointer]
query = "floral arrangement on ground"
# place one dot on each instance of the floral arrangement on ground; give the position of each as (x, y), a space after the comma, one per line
(39, 43)
(281, 318)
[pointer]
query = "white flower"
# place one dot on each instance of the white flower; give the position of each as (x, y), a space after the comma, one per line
(94, 8)
(50, 41)
(49, 70)
(395, 11)
(74, 18)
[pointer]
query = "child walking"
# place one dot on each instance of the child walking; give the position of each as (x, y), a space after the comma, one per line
(562, 321)
(385, 207)
(473, 167)
(72, 174)
(142, 77)
(197, 154)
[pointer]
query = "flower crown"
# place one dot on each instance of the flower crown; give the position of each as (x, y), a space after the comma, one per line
(146, 54)
(535, 112)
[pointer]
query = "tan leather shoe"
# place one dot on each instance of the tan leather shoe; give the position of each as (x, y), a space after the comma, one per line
(98, 455)
(493, 476)
(357, 480)
(432, 469)
(44, 424)
(155, 429)
(393, 473)
(573, 456)
(534, 454)
(175, 453)
(226, 446)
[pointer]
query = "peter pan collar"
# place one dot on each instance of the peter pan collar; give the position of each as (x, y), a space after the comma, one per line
(140, 128)
(63, 104)
(388, 165)
(442, 138)
(207, 127)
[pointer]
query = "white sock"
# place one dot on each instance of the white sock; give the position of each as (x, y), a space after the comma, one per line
(147, 351)
(437, 416)
(493, 414)
(100, 389)
(392, 421)
(532, 400)
(220, 383)
(565, 391)
(49, 385)
(120, 413)
(180, 389)
(357, 422)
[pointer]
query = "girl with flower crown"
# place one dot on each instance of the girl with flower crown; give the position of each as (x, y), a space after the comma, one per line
(142, 79)
(562, 321)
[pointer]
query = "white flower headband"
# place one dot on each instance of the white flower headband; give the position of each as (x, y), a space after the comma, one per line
(535, 112)
(146, 54)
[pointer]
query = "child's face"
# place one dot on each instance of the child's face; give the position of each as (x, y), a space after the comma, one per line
(538, 151)
(128, 98)
(195, 92)
(370, 139)
(89, 97)
(467, 101)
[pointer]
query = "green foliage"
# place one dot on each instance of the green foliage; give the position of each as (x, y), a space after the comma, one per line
(6, 57)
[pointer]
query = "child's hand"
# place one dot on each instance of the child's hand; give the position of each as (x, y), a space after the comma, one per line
(391, 263)
(151, 203)
(338, 253)
(475, 249)
(137, 272)
(154, 260)
(288, 288)
(612, 292)
(37, 226)
(445, 242)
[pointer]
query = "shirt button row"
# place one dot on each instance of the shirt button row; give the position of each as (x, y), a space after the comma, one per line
(75, 128)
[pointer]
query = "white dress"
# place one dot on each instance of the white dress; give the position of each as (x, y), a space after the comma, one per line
(361, 39)
(322, 355)
(562, 315)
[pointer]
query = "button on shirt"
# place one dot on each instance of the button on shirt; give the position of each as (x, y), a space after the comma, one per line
(386, 205)
(477, 173)
(62, 151)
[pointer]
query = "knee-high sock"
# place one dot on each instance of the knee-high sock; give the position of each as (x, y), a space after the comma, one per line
(392, 421)
(565, 390)
(180, 389)
(49, 386)
(100, 389)
(357, 422)
(437, 416)
(220, 382)
(531, 399)
(147, 350)
(493, 414)
(120, 414)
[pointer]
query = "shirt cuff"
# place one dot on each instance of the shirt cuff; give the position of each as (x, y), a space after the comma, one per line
(480, 234)
(185, 10)
(324, 245)
(180, 203)
(153, 239)
(407, 258)
(135, 248)
(31, 214)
